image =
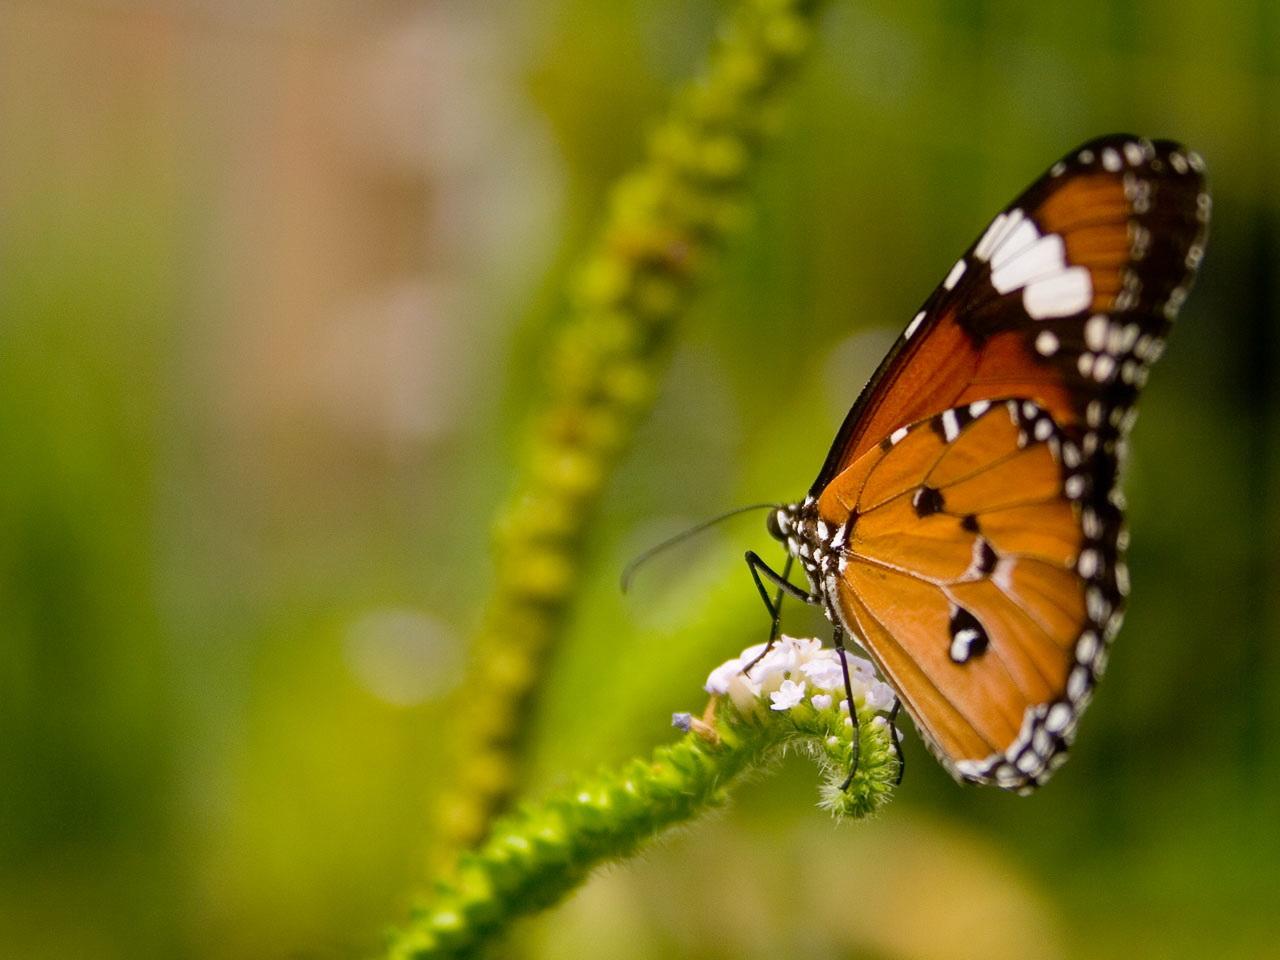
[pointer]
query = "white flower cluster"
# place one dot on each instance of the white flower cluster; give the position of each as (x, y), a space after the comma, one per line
(793, 669)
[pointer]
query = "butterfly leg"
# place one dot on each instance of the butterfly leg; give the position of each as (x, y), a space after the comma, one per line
(773, 604)
(775, 609)
(758, 567)
(897, 742)
(838, 640)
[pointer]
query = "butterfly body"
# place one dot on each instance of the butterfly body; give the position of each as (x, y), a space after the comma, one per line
(967, 526)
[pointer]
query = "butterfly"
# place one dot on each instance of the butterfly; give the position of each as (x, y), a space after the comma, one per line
(967, 527)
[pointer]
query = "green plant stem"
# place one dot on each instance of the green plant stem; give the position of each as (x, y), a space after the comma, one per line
(668, 220)
(539, 854)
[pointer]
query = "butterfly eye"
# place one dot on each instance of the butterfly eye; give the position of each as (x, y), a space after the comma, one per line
(778, 524)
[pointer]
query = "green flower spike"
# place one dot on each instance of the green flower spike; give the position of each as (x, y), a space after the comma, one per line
(533, 858)
(667, 224)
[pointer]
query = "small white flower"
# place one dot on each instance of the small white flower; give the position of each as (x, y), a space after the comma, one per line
(805, 647)
(777, 666)
(788, 695)
(863, 668)
(879, 696)
(719, 679)
(788, 668)
(824, 673)
(745, 693)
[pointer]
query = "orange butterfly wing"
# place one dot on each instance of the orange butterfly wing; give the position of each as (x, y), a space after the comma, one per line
(1064, 299)
(961, 572)
(973, 488)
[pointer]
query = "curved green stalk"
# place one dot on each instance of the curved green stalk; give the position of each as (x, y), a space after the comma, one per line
(668, 220)
(536, 856)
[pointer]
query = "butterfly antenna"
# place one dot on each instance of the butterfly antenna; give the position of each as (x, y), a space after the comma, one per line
(629, 572)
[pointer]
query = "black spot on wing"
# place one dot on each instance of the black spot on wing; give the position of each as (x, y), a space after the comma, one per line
(927, 501)
(984, 557)
(968, 637)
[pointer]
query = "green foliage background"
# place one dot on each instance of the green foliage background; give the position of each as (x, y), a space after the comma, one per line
(196, 530)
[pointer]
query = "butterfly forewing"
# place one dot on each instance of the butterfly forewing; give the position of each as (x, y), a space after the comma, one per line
(1064, 298)
(979, 534)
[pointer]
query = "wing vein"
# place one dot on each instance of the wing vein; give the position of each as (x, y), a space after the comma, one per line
(923, 672)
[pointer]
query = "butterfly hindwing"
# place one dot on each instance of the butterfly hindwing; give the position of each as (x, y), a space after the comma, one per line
(968, 570)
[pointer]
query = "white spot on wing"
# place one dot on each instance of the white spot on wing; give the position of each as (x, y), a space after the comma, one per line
(1060, 295)
(914, 325)
(1204, 205)
(1058, 718)
(1043, 258)
(1014, 242)
(1092, 523)
(1087, 647)
(1177, 296)
(1077, 683)
(1087, 565)
(962, 644)
(1002, 575)
(1122, 579)
(954, 276)
(1028, 763)
(1095, 331)
(950, 426)
(1139, 240)
(992, 237)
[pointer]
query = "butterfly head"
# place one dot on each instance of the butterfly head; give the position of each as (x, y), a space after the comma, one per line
(811, 541)
(789, 524)
(781, 523)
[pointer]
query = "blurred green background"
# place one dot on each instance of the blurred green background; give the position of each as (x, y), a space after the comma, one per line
(272, 279)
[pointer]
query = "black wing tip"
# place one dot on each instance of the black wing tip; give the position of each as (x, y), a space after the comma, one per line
(1121, 138)
(1159, 154)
